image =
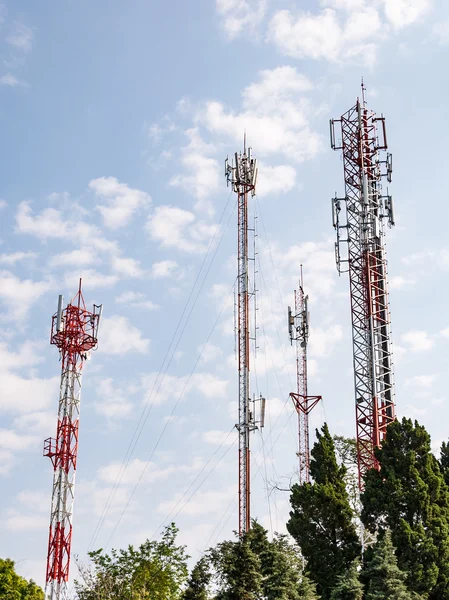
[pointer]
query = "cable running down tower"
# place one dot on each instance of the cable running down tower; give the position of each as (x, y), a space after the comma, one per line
(298, 329)
(242, 176)
(360, 250)
(74, 331)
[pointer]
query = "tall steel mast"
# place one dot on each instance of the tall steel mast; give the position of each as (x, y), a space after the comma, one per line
(74, 331)
(242, 176)
(360, 250)
(298, 328)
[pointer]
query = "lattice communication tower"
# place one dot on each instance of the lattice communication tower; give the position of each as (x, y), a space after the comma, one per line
(359, 220)
(298, 328)
(74, 331)
(243, 176)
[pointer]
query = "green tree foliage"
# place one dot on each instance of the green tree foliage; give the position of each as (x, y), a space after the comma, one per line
(257, 568)
(410, 497)
(14, 587)
(280, 564)
(197, 586)
(307, 589)
(444, 461)
(346, 451)
(348, 586)
(237, 571)
(385, 579)
(154, 571)
(321, 519)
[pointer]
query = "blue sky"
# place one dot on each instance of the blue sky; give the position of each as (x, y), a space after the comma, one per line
(116, 119)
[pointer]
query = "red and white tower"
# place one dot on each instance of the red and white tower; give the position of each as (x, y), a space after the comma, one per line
(74, 331)
(242, 176)
(360, 250)
(298, 328)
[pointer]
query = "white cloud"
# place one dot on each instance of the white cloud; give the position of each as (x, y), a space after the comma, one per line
(76, 258)
(172, 387)
(318, 261)
(343, 29)
(127, 297)
(91, 279)
(145, 471)
(115, 498)
(15, 257)
(177, 228)
(127, 266)
(271, 356)
(114, 403)
(28, 354)
(114, 408)
(42, 422)
(12, 440)
(20, 294)
(21, 37)
(399, 282)
(422, 381)
(164, 268)
(402, 13)
(275, 407)
(210, 353)
(328, 34)
(39, 501)
(86, 234)
(203, 502)
(217, 437)
(48, 224)
(3, 203)
(275, 116)
(51, 224)
(119, 336)
(275, 180)
(445, 332)
(241, 16)
(6, 461)
(137, 300)
(22, 522)
(201, 178)
(347, 5)
(209, 385)
(322, 342)
(414, 412)
(18, 393)
(417, 341)
(122, 201)
(9, 80)
(441, 32)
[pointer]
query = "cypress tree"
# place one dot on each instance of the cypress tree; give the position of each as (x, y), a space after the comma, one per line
(348, 586)
(321, 519)
(280, 564)
(198, 582)
(385, 579)
(237, 571)
(307, 588)
(444, 461)
(410, 497)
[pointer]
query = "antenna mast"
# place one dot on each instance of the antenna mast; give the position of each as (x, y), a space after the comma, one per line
(74, 331)
(242, 176)
(298, 328)
(360, 250)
